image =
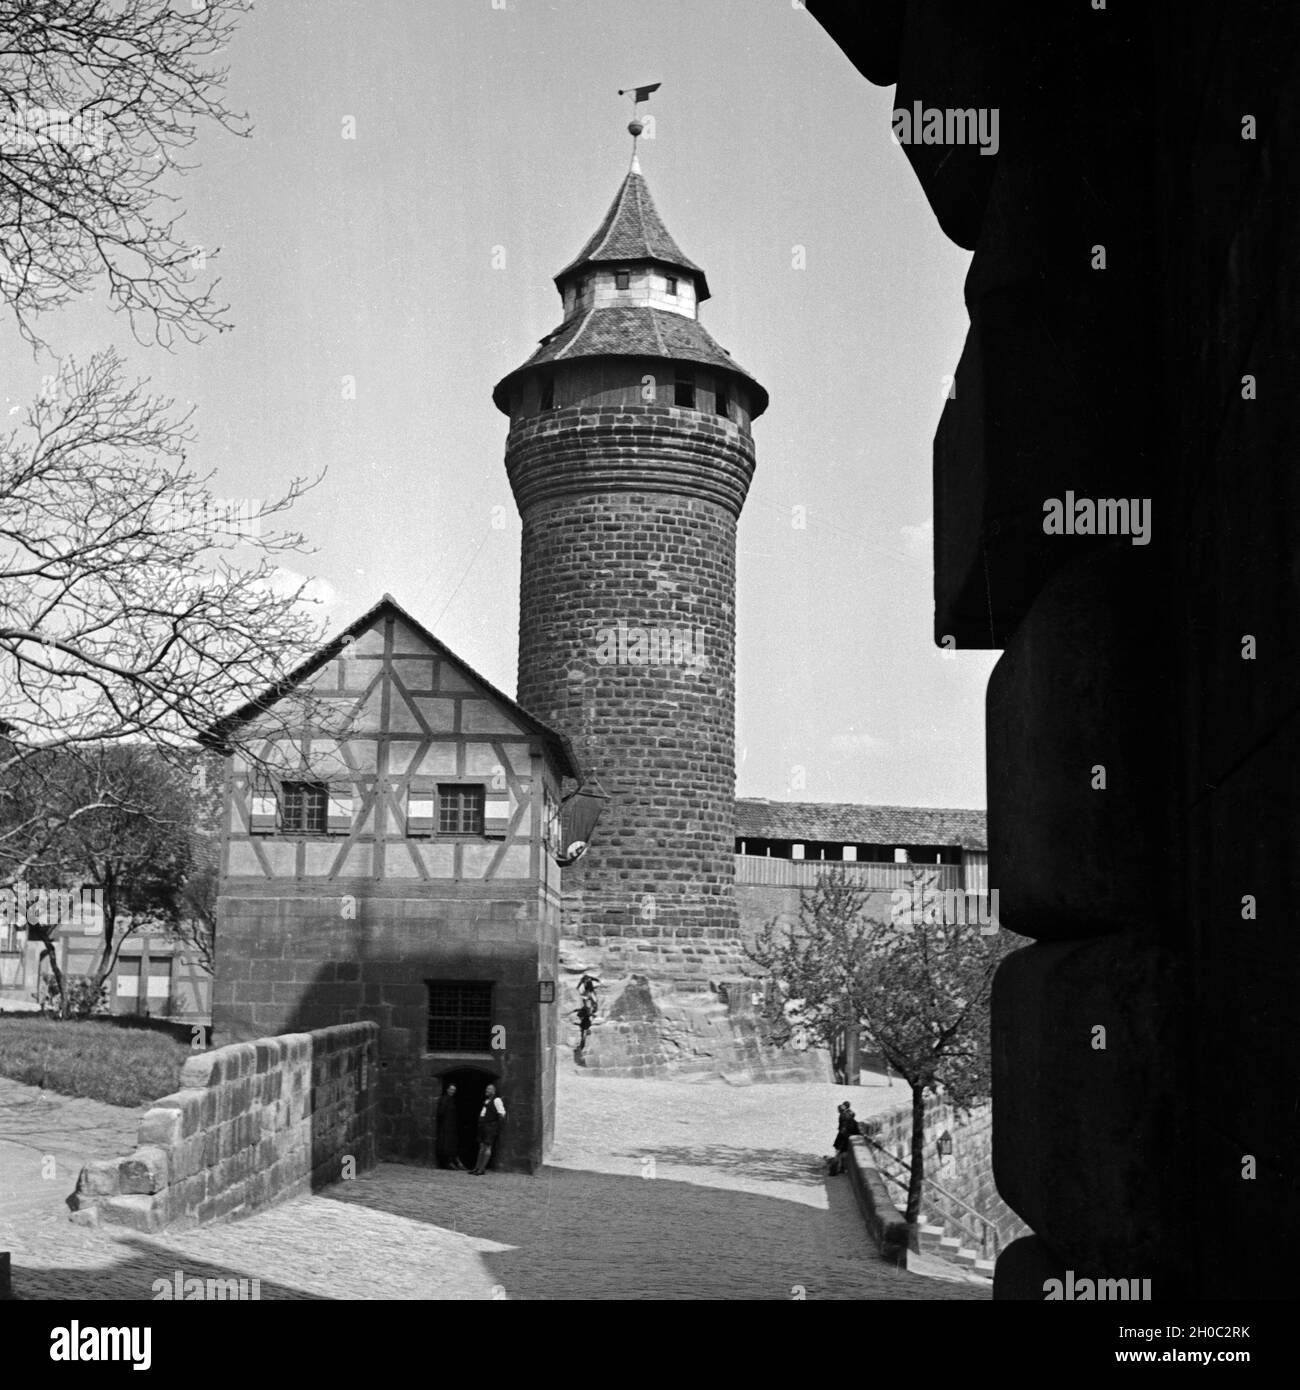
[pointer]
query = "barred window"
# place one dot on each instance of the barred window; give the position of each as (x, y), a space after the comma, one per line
(460, 1016)
(304, 807)
(460, 810)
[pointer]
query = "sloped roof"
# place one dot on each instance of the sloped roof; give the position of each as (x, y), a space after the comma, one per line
(632, 230)
(218, 735)
(849, 823)
(632, 331)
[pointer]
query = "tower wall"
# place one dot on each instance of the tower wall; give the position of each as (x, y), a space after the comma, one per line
(627, 642)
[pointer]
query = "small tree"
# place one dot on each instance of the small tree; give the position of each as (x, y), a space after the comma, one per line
(134, 851)
(916, 986)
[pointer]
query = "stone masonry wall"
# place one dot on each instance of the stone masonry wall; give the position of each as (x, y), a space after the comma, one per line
(629, 523)
(253, 1124)
(967, 1173)
(291, 963)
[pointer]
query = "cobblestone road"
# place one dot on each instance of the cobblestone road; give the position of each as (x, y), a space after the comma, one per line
(656, 1190)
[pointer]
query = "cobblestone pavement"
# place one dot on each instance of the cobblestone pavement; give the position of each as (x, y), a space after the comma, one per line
(656, 1189)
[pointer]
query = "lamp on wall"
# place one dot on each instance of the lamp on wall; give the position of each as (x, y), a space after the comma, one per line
(945, 1145)
(546, 991)
(579, 813)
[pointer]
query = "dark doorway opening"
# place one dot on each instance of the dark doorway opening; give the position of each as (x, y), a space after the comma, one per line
(470, 1083)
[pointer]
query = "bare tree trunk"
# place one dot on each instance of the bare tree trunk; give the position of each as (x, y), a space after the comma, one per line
(918, 1155)
(852, 1062)
(49, 954)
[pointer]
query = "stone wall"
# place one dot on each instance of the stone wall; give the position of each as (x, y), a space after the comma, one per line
(253, 1124)
(291, 963)
(1134, 303)
(629, 525)
(967, 1173)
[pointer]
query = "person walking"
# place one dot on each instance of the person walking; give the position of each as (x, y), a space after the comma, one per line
(583, 1015)
(587, 992)
(446, 1138)
(490, 1119)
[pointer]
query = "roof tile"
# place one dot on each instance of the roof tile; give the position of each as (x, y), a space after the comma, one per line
(849, 823)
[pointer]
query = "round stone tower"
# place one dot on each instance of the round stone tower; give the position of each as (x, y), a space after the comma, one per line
(630, 456)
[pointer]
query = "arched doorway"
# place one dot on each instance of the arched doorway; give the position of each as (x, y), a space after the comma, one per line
(470, 1083)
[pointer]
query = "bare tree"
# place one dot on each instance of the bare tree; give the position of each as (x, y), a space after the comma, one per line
(916, 984)
(125, 835)
(123, 616)
(99, 101)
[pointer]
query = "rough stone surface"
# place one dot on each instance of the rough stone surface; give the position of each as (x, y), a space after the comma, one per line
(197, 1168)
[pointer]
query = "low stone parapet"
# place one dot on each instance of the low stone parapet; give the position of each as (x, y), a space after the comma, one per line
(885, 1223)
(252, 1125)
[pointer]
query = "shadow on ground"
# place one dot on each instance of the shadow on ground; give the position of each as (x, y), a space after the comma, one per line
(571, 1234)
(762, 1165)
(132, 1267)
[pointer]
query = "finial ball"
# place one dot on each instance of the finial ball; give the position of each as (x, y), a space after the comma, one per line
(635, 128)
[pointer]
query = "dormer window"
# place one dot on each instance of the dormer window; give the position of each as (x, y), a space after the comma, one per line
(622, 279)
(670, 284)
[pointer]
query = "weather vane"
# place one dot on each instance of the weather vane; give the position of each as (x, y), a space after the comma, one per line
(639, 94)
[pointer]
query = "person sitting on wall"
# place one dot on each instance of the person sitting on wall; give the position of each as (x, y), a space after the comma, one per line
(446, 1139)
(848, 1127)
(489, 1129)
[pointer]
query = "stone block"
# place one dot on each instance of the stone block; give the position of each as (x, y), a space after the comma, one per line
(100, 1179)
(202, 1070)
(162, 1127)
(1090, 1133)
(135, 1212)
(1078, 697)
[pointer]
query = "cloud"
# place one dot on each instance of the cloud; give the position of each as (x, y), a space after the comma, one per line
(865, 744)
(918, 541)
(319, 596)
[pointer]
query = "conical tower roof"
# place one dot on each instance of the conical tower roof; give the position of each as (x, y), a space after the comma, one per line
(640, 325)
(632, 230)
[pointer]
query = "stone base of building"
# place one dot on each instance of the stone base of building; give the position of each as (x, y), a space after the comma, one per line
(675, 1009)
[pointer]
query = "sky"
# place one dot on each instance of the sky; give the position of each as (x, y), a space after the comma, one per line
(417, 173)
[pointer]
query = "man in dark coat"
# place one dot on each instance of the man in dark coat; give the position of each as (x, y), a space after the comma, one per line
(446, 1137)
(848, 1127)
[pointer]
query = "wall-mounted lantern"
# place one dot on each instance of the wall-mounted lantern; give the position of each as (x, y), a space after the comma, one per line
(546, 991)
(945, 1145)
(580, 812)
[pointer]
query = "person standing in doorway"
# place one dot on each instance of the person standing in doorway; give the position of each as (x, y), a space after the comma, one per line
(446, 1139)
(490, 1119)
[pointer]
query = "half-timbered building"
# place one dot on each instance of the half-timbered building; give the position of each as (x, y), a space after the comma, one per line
(389, 855)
